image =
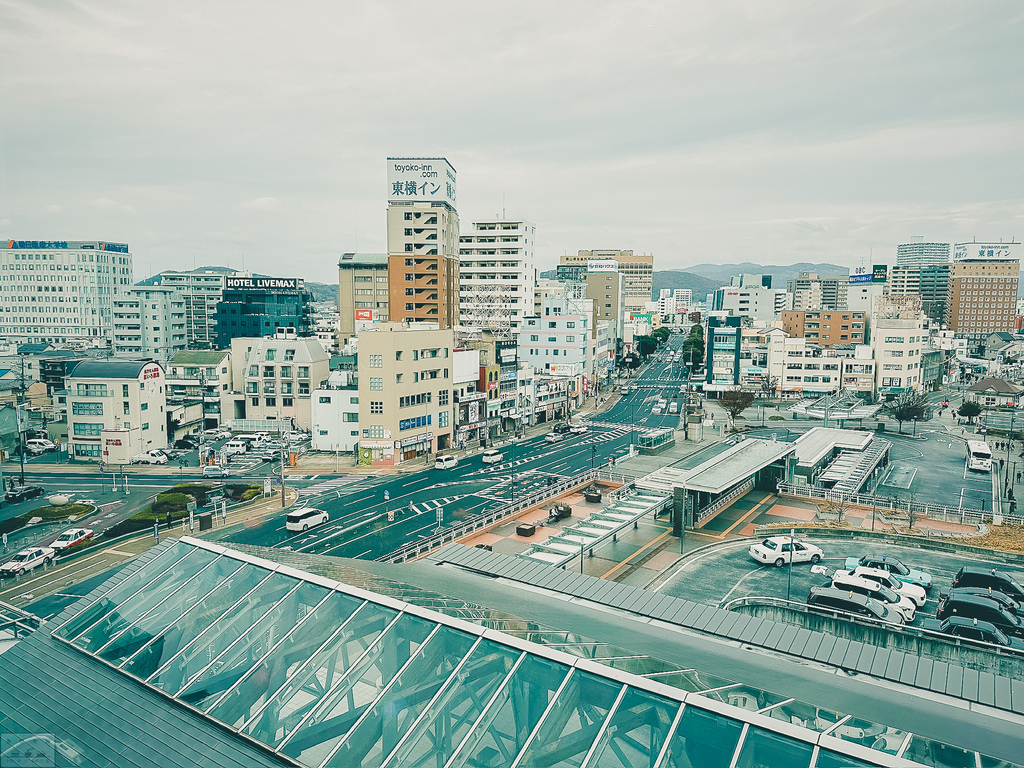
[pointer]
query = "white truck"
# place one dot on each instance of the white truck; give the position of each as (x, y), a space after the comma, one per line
(153, 456)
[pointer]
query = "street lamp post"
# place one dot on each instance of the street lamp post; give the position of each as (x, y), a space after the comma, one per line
(915, 426)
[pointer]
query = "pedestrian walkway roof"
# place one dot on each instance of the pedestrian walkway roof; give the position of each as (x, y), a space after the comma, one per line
(721, 471)
(195, 654)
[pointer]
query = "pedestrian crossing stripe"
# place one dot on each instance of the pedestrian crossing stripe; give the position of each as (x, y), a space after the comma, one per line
(432, 504)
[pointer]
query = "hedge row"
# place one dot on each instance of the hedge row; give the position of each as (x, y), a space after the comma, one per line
(172, 506)
(49, 514)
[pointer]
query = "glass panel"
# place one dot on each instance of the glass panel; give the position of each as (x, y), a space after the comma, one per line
(510, 720)
(693, 681)
(862, 732)
(764, 749)
(267, 678)
(640, 665)
(827, 759)
(804, 715)
(571, 726)
(199, 618)
(293, 702)
(395, 712)
(109, 602)
(636, 733)
(991, 762)
(938, 754)
(228, 628)
(251, 647)
(313, 740)
(454, 713)
(169, 611)
(137, 605)
(741, 696)
(703, 740)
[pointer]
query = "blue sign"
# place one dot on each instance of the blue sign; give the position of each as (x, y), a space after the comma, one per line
(419, 421)
(37, 245)
(865, 278)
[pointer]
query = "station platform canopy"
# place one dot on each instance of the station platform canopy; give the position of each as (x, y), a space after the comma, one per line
(720, 471)
(196, 654)
(839, 406)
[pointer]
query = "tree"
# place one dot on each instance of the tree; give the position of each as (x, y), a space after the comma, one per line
(906, 406)
(646, 345)
(736, 401)
(969, 410)
(693, 347)
(662, 334)
(768, 385)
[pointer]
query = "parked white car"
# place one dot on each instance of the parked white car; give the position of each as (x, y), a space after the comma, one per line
(70, 538)
(215, 471)
(913, 592)
(27, 561)
(861, 586)
(153, 456)
(781, 550)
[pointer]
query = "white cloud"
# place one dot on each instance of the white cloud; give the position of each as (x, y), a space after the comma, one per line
(269, 204)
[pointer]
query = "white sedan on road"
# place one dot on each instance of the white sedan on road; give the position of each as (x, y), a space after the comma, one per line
(69, 539)
(780, 550)
(27, 560)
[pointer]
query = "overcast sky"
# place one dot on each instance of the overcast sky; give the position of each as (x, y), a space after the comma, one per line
(770, 131)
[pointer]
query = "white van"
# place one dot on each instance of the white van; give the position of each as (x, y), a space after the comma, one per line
(40, 445)
(493, 456)
(446, 462)
(253, 441)
(236, 446)
(304, 518)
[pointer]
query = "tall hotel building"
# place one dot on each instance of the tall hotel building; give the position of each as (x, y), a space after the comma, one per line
(982, 296)
(61, 291)
(423, 241)
(497, 274)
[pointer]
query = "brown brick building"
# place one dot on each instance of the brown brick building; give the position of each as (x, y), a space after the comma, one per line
(982, 298)
(826, 329)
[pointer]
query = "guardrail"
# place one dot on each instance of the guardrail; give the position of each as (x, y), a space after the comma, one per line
(725, 501)
(485, 519)
(942, 512)
(974, 654)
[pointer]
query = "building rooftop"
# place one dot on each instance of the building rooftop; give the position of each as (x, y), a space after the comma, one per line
(108, 369)
(998, 386)
(211, 656)
(204, 357)
(363, 260)
(815, 444)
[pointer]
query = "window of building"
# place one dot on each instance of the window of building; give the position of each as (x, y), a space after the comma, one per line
(269, 388)
(442, 397)
(87, 409)
(398, 378)
(286, 371)
(127, 407)
(303, 371)
(144, 407)
(289, 354)
(286, 402)
(87, 430)
(376, 383)
(252, 388)
(303, 387)
(377, 407)
(376, 361)
(270, 354)
(92, 390)
(268, 371)
(351, 417)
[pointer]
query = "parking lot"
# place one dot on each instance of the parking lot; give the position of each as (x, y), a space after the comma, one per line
(933, 471)
(727, 572)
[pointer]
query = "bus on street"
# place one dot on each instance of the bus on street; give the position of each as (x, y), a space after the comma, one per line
(979, 456)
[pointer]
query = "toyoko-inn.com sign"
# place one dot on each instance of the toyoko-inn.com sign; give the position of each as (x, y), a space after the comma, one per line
(421, 179)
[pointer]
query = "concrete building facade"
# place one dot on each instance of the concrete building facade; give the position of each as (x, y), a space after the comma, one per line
(917, 253)
(826, 328)
(61, 291)
(274, 378)
(335, 414)
(149, 321)
(497, 274)
(811, 291)
(982, 298)
(897, 339)
(363, 292)
(116, 409)
(201, 291)
(637, 270)
(405, 392)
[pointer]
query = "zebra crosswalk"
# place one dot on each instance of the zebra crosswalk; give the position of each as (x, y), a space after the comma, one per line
(431, 504)
(326, 486)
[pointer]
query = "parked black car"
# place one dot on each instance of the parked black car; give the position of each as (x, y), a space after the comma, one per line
(972, 629)
(560, 428)
(983, 609)
(186, 443)
(1009, 602)
(831, 599)
(23, 492)
(980, 576)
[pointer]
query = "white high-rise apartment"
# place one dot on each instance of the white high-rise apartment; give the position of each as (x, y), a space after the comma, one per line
(149, 322)
(61, 291)
(201, 290)
(497, 274)
(918, 253)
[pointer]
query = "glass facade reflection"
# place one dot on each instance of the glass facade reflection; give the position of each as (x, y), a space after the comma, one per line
(331, 674)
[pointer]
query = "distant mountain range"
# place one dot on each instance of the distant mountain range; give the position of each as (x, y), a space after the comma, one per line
(703, 279)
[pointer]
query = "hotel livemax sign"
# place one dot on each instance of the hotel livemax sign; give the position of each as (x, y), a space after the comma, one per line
(264, 283)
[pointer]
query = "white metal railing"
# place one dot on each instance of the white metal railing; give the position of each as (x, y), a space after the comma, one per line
(965, 515)
(725, 501)
(484, 519)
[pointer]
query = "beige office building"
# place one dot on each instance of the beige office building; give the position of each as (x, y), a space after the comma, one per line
(363, 290)
(637, 270)
(405, 386)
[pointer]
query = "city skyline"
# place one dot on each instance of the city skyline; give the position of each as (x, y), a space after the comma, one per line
(766, 134)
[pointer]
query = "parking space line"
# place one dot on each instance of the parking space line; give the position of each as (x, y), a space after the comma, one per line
(755, 510)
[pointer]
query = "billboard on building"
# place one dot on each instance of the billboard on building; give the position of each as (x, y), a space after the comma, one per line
(421, 180)
(364, 314)
(602, 265)
(506, 351)
(986, 252)
(635, 317)
(565, 369)
(860, 275)
(879, 273)
(264, 283)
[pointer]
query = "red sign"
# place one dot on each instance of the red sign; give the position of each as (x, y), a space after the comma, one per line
(364, 314)
(151, 373)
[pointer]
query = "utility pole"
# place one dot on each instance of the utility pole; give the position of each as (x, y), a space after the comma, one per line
(282, 476)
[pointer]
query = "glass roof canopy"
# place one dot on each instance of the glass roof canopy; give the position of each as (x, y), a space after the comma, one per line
(324, 673)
